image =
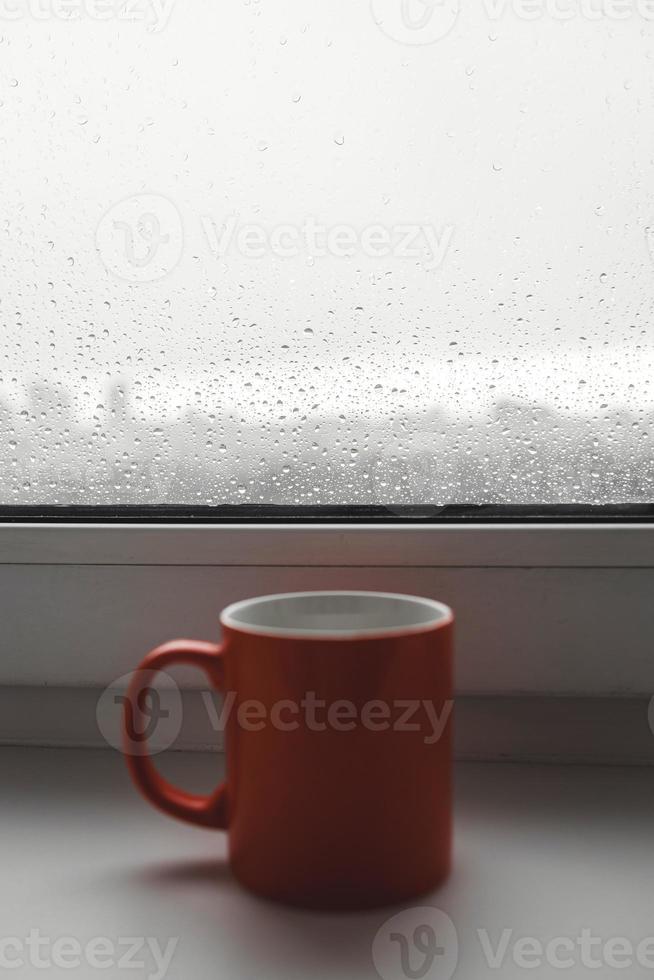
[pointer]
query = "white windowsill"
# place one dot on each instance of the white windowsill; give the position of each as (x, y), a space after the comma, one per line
(543, 851)
(388, 545)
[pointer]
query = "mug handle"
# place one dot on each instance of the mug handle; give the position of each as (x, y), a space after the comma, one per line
(205, 811)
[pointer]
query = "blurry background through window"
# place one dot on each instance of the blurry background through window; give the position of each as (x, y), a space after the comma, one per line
(274, 251)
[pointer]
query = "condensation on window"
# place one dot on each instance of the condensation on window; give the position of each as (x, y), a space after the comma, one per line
(394, 253)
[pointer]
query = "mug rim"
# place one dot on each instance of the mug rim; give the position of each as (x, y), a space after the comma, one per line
(443, 616)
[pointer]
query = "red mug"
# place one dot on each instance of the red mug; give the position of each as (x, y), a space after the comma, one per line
(338, 742)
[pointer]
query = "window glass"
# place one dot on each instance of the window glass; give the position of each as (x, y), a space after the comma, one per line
(326, 253)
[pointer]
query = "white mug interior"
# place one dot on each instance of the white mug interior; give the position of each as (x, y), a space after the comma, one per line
(336, 614)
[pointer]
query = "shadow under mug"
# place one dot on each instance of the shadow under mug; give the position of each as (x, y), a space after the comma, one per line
(338, 743)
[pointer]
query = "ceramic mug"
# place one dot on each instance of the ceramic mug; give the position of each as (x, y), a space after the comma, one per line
(338, 745)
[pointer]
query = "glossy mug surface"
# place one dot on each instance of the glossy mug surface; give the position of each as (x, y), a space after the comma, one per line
(338, 741)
